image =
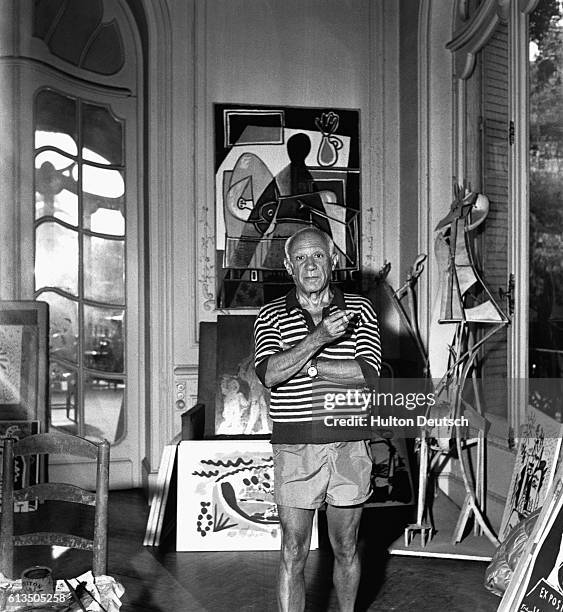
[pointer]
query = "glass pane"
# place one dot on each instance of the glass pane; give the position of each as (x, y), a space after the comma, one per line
(546, 186)
(104, 269)
(63, 206)
(55, 190)
(56, 257)
(104, 215)
(103, 338)
(56, 113)
(101, 181)
(63, 326)
(55, 139)
(102, 136)
(63, 398)
(103, 408)
(56, 161)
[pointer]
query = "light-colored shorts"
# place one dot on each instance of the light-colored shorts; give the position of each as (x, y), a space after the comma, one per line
(308, 475)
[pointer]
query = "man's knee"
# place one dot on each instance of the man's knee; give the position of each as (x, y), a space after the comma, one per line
(345, 549)
(294, 551)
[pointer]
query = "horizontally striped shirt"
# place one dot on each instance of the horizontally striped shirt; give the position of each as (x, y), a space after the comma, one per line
(297, 406)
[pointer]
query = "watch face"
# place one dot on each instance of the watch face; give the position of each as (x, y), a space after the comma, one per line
(312, 371)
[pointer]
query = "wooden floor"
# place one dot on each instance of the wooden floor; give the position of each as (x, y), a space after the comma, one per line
(162, 580)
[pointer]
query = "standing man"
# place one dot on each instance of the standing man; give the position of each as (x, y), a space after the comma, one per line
(313, 342)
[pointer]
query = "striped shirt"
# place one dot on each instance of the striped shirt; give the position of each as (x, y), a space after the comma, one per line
(298, 406)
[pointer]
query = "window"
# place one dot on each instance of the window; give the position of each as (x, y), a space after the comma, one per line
(545, 351)
(82, 95)
(80, 259)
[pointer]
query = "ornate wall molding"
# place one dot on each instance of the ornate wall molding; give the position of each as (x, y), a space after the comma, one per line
(527, 6)
(435, 139)
(472, 32)
(159, 218)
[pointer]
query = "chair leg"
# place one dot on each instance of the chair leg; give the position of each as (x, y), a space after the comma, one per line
(99, 565)
(7, 516)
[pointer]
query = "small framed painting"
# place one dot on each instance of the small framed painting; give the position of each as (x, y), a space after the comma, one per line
(236, 402)
(226, 497)
(23, 361)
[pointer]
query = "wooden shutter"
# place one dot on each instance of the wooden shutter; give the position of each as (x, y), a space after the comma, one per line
(495, 121)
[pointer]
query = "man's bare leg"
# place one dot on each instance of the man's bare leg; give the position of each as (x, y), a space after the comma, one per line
(296, 525)
(343, 524)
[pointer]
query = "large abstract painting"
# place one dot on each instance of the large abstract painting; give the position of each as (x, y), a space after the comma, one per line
(278, 169)
(226, 497)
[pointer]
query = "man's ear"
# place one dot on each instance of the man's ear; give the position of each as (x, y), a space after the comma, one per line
(288, 266)
(334, 258)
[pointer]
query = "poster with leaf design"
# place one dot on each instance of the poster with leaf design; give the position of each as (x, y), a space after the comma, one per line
(226, 497)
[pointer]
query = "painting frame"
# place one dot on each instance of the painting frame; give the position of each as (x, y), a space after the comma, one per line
(236, 403)
(24, 345)
(225, 497)
(279, 168)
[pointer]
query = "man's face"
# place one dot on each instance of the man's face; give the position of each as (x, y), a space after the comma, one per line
(310, 262)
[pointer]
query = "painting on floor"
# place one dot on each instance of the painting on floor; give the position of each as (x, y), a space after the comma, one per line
(26, 469)
(226, 497)
(538, 453)
(241, 401)
(537, 581)
(278, 169)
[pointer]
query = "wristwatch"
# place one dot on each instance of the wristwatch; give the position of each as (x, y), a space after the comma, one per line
(312, 369)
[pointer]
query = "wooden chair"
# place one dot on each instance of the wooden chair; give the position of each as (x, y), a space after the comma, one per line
(55, 444)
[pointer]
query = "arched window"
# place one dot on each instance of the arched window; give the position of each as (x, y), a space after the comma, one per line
(80, 67)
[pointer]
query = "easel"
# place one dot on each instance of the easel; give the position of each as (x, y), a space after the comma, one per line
(461, 273)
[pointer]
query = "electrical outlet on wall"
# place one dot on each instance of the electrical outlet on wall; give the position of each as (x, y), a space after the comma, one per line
(180, 394)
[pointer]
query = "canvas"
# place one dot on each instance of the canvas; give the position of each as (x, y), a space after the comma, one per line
(537, 581)
(539, 448)
(226, 497)
(23, 361)
(241, 402)
(278, 169)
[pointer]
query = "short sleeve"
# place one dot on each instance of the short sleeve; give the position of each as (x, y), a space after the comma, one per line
(368, 344)
(267, 342)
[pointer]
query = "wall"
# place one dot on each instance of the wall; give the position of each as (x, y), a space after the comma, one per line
(315, 53)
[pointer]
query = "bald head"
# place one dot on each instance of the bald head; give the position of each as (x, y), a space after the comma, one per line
(307, 231)
(310, 260)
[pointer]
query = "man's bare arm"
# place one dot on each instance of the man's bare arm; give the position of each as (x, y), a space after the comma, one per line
(282, 366)
(345, 371)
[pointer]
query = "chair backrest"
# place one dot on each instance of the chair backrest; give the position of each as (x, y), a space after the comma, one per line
(55, 444)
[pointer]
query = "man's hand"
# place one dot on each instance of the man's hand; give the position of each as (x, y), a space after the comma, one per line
(296, 359)
(334, 326)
